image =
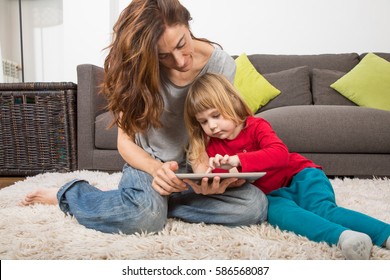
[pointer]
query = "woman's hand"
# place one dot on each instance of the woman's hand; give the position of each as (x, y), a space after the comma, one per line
(215, 187)
(165, 180)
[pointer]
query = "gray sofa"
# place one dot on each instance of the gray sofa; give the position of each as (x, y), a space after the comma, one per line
(309, 116)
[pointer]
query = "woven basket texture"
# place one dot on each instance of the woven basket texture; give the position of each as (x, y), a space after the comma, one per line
(37, 128)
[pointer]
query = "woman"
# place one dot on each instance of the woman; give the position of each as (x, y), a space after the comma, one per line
(152, 61)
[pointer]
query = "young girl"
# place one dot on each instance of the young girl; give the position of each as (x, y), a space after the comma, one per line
(224, 134)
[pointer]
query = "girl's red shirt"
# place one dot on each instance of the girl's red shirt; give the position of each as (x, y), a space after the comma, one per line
(261, 150)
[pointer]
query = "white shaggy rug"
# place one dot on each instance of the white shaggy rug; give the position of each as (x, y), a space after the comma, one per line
(44, 232)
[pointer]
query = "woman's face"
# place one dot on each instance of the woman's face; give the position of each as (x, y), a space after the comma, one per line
(175, 48)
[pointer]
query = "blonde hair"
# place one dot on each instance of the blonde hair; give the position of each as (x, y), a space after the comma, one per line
(211, 91)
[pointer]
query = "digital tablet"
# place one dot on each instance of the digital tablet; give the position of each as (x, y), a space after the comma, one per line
(250, 176)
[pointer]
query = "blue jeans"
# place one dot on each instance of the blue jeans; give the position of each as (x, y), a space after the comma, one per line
(136, 207)
(308, 207)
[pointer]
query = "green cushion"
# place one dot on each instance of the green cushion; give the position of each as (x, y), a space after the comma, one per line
(368, 83)
(253, 87)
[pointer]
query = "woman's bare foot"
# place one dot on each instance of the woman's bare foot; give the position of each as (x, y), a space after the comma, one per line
(42, 195)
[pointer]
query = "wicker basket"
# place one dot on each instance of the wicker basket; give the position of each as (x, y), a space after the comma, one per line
(37, 128)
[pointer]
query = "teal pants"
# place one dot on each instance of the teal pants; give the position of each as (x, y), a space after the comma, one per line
(308, 207)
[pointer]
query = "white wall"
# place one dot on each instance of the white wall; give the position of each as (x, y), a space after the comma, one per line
(293, 26)
(87, 31)
(251, 26)
(288, 26)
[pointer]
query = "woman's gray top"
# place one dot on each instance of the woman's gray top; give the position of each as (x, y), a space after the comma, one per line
(169, 142)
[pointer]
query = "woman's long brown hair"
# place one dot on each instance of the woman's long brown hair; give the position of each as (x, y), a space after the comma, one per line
(132, 73)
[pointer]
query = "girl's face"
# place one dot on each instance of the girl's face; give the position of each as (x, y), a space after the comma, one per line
(175, 48)
(215, 125)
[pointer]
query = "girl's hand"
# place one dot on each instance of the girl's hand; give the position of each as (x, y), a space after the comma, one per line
(215, 187)
(224, 162)
(165, 180)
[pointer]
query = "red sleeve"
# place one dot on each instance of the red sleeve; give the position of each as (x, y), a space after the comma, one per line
(268, 152)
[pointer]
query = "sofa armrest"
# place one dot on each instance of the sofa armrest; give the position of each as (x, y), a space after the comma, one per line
(89, 104)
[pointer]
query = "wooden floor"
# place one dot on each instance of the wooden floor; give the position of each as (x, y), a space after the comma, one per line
(8, 181)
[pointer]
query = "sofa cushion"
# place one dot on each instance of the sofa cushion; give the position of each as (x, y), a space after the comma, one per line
(269, 63)
(253, 87)
(323, 94)
(331, 129)
(105, 137)
(294, 85)
(368, 83)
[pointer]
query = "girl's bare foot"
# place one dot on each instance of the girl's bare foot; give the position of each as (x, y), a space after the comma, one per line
(42, 195)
